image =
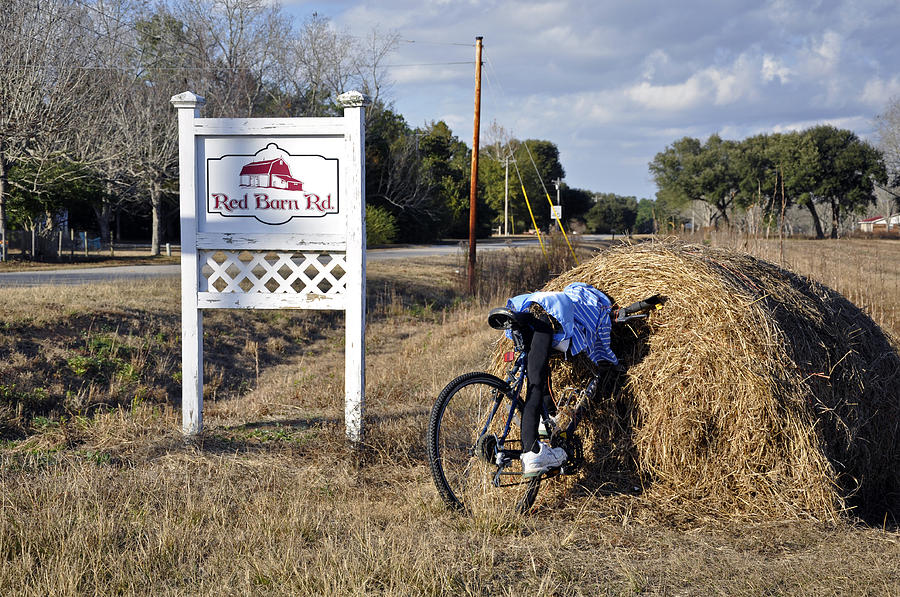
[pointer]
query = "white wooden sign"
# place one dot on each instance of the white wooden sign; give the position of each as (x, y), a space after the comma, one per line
(272, 217)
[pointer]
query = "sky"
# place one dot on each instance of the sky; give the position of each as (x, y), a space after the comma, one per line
(612, 83)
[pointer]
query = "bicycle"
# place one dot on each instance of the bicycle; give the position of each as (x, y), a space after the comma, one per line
(473, 438)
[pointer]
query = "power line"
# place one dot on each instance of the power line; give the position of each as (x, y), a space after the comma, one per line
(103, 14)
(435, 43)
(112, 38)
(470, 62)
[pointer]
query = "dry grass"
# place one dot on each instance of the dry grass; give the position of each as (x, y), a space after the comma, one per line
(270, 500)
(863, 270)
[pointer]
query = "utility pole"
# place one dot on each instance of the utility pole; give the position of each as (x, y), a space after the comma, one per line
(506, 196)
(473, 186)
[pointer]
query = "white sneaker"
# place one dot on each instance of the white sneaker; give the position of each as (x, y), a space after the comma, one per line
(542, 429)
(538, 463)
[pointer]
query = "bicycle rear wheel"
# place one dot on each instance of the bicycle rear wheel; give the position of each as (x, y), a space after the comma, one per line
(473, 457)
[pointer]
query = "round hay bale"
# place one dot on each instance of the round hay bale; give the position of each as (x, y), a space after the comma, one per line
(752, 391)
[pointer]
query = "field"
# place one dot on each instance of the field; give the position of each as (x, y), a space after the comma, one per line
(101, 494)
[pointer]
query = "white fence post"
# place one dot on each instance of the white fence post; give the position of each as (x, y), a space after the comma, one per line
(188, 106)
(354, 349)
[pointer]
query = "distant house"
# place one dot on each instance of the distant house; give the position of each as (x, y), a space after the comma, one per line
(269, 174)
(880, 224)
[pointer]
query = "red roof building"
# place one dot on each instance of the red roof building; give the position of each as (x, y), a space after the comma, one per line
(269, 174)
(880, 224)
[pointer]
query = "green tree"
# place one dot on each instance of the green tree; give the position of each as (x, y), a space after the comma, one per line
(46, 192)
(533, 165)
(575, 202)
(381, 226)
(674, 170)
(446, 166)
(421, 177)
(612, 213)
(717, 174)
(645, 219)
(845, 169)
(793, 163)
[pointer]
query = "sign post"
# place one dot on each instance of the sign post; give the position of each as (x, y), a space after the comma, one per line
(272, 217)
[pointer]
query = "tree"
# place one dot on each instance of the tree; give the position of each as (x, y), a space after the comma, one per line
(445, 163)
(533, 164)
(67, 187)
(845, 171)
(888, 129)
(645, 219)
(820, 166)
(770, 165)
(44, 88)
(794, 162)
(575, 202)
(689, 170)
(144, 147)
(673, 170)
(612, 214)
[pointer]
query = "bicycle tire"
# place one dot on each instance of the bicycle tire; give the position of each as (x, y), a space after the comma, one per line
(464, 477)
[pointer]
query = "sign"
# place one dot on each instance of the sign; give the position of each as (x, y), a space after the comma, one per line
(272, 217)
(556, 212)
(271, 186)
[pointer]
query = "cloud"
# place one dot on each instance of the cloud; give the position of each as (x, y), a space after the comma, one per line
(829, 49)
(668, 97)
(773, 68)
(854, 123)
(655, 60)
(878, 91)
(712, 85)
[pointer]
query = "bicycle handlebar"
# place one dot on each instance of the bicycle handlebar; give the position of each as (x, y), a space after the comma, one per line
(640, 309)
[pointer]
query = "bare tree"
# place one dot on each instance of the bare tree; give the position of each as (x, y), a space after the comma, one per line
(320, 62)
(235, 46)
(44, 84)
(403, 184)
(370, 54)
(499, 140)
(888, 127)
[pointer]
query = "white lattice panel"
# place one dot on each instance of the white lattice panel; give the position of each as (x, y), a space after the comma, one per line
(254, 278)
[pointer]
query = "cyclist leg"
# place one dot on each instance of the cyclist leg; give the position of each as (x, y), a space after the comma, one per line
(538, 357)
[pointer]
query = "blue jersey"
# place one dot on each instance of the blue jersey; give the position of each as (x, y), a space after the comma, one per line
(584, 314)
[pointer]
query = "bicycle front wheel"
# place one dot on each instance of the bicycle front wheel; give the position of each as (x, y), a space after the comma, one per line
(473, 446)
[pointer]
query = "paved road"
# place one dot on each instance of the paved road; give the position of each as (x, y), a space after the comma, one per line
(86, 275)
(137, 272)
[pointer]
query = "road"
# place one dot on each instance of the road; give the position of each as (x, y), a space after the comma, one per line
(137, 272)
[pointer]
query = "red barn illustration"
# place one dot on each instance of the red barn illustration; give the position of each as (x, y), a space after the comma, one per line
(270, 174)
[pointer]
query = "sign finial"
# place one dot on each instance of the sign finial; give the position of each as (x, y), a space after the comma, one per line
(188, 99)
(354, 99)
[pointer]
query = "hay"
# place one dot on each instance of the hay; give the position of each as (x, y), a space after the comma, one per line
(754, 391)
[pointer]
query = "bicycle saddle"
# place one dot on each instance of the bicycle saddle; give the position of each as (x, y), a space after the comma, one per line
(503, 318)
